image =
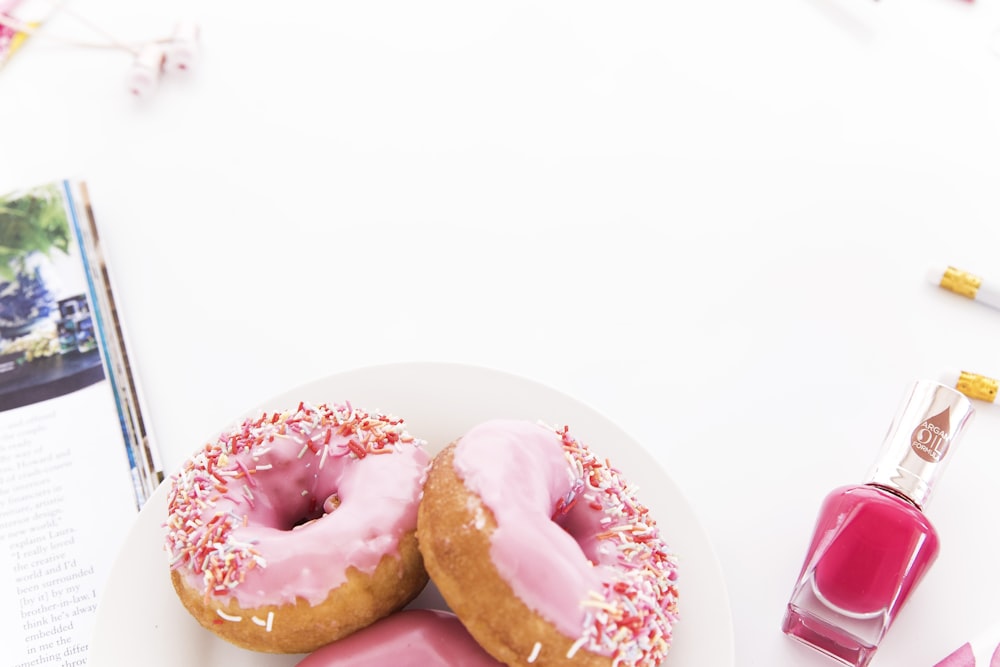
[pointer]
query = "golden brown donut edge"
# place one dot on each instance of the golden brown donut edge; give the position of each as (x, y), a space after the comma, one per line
(302, 627)
(457, 557)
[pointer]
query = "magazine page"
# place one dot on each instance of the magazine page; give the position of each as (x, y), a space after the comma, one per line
(68, 480)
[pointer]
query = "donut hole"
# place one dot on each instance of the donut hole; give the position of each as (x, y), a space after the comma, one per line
(583, 523)
(573, 526)
(317, 511)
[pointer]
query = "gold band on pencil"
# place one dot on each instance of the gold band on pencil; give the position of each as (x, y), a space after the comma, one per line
(961, 282)
(977, 386)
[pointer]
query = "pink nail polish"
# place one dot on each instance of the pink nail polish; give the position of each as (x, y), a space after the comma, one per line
(872, 543)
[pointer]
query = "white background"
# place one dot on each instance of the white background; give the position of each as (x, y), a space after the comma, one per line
(711, 221)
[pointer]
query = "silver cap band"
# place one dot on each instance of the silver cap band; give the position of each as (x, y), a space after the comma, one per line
(921, 440)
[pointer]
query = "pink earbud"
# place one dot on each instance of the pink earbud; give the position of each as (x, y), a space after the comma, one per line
(177, 54)
(144, 77)
(181, 50)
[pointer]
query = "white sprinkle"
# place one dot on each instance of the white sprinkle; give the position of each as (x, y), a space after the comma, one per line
(258, 621)
(266, 466)
(226, 617)
(322, 459)
(598, 604)
(577, 645)
(270, 620)
(535, 651)
(304, 492)
(305, 448)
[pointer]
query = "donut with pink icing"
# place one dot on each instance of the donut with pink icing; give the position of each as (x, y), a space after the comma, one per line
(543, 551)
(298, 528)
(411, 638)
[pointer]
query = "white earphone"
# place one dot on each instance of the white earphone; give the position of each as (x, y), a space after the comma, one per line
(151, 60)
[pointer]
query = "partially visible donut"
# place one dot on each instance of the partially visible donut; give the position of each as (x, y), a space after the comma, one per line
(543, 551)
(412, 638)
(298, 528)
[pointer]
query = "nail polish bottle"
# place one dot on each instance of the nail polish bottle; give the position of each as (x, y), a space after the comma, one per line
(872, 543)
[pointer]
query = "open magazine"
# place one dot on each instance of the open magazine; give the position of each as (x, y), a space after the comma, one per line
(76, 461)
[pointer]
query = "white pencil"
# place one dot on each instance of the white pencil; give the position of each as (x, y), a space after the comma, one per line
(968, 285)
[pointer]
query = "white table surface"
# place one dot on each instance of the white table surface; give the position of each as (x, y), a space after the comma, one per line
(711, 221)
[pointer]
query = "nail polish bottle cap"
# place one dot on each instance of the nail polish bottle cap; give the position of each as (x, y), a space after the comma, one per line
(921, 440)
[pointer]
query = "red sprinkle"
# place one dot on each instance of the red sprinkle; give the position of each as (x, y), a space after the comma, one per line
(356, 449)
(632, 618)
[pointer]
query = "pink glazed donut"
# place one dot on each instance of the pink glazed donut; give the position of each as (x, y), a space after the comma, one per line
(412, 638)
(298, 528)
(543, 551)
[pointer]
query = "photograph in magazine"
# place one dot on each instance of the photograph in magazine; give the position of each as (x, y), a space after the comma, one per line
(48, 343)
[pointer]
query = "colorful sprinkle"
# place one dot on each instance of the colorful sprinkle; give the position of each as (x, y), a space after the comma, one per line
(200, 537)
(632, 618)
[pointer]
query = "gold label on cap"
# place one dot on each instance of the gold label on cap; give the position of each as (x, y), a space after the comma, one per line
(977, 386)
(930, 440)
(961, 282)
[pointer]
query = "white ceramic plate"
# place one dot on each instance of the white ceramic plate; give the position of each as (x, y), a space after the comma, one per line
(140, 619)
